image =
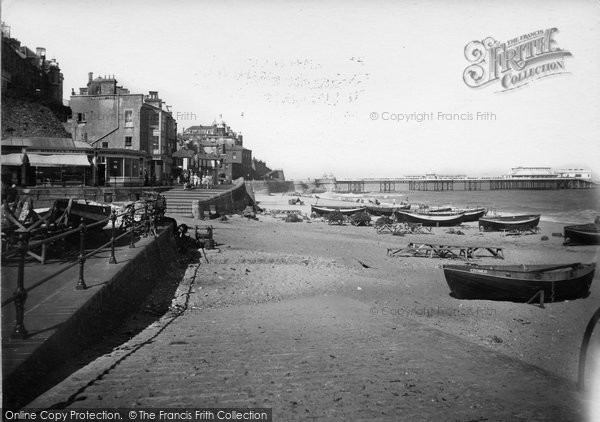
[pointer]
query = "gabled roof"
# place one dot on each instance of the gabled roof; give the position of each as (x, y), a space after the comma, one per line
(183, 153)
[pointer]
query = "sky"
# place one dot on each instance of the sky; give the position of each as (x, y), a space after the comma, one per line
(329, 87)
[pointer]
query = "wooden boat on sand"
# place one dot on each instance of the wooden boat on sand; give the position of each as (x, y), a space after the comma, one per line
(515, 222)
(473, 214)
(328, 210)
(519, 283)
(583, 234)
(379, 210)
(431, 219)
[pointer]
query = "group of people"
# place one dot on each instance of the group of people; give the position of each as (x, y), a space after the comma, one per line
(193, 180)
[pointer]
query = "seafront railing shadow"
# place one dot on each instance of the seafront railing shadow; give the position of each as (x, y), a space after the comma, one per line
(136, 223)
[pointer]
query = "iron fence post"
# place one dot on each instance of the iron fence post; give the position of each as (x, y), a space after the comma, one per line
(113, 219)
(132, 231)
(146, 225)
(20, 294)
(81, 282)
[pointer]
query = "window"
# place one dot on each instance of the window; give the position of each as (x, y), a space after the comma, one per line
(128, 141)
(155, 142)
(104, 144)
(81, 118)
(128, 118)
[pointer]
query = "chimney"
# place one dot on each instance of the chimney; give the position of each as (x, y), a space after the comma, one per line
(90, 76)
(40, 52)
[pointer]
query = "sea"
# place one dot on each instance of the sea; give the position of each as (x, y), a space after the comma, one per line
(577, 206)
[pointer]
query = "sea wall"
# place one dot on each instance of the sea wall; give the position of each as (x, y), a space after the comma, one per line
(231, 201)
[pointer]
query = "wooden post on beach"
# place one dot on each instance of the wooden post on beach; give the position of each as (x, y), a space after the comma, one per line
(540, 293)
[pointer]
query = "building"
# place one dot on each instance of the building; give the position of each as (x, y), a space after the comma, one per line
(133, 135)
(531, 172)
(221, 148)
(36, 148)
(575, 174)
(43, 161)
(26, 73)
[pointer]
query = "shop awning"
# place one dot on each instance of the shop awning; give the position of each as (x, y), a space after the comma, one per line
(11, 159)
(57, 160)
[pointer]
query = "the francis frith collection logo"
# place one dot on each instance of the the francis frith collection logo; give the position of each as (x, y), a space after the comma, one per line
(516, 62)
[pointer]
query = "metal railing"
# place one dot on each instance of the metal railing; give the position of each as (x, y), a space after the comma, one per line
(146, 223)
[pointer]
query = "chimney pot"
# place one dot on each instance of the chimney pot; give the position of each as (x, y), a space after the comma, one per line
(90, 76)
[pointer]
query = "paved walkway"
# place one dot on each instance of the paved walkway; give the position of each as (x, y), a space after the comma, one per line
(60, 319)
(313, 358)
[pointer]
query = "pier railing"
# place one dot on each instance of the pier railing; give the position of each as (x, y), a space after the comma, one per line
(145, 225)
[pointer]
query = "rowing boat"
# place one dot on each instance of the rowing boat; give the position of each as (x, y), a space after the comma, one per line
(82, 212)
(430, 219)
(328, 210)
(586, 234)
(515, 222)
(379, 210)
(519, 283)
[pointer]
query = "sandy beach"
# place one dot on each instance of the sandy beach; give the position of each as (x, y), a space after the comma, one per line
(271, 260)
(317, 322)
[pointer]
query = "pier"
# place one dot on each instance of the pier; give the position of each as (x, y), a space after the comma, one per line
(386, 185)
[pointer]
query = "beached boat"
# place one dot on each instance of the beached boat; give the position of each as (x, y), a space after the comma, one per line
(515, 222)
(431, 219)
(473, 214)
(81, 212)
(328, 210)
(586, 234)
(379, 210)
(427, 208)
(519, 283)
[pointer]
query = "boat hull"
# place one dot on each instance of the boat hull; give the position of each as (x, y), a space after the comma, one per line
(431, 220)
(473, 215)
(83, 213)
(494, 283)
(586, 234)
(517, 222)
(328, 210)
(387, 211)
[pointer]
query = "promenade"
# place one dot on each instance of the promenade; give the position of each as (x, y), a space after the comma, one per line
(60, 319)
